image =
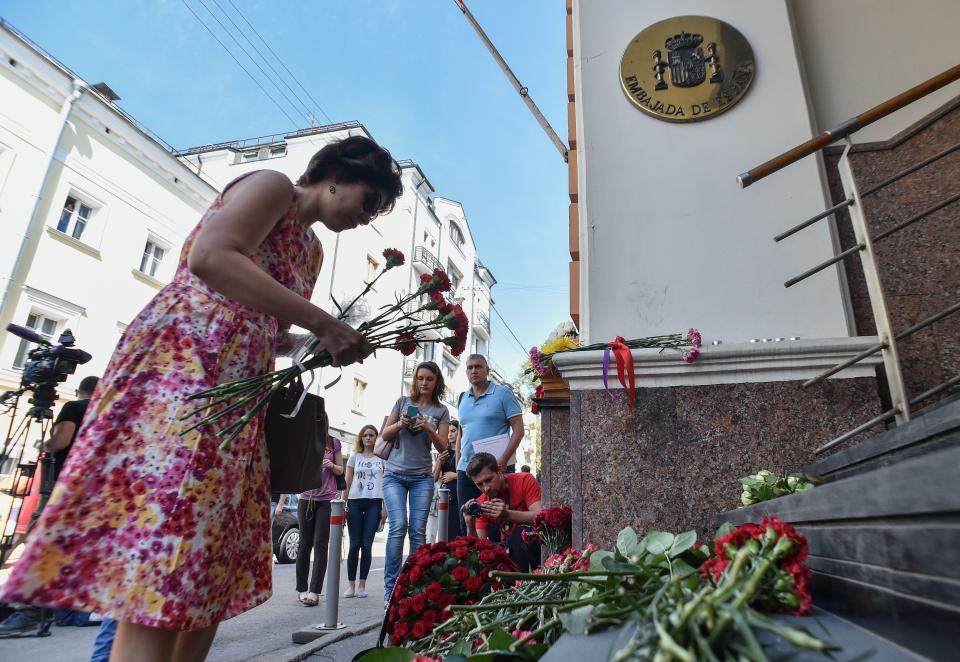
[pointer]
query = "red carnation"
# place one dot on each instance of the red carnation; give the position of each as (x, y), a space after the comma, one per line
(416, 572)
(424, 560)
(488, 556)
(461, 551)
(425, 278)
(473, 584)
(460, 573)
(403, 608)
(438, 557)
(420, 630)
(433, 591)
(418, 602)
(401, 630)
(407, 344)
(445, 601)
(393, 257)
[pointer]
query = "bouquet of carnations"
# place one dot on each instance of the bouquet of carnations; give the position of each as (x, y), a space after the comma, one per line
(400, 326)
(768, 563)
(765, 485)
(438, 576)
(551, 527)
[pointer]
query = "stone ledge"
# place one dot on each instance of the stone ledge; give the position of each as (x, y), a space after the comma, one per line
(739, 363)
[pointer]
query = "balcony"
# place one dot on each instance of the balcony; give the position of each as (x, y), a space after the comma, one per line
(424, 260)
(481, 323)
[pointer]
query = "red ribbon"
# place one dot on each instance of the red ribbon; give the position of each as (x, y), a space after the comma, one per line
(336, 520)
(624, 364)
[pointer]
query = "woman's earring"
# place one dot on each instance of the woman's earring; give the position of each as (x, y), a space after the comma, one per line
(333, 189)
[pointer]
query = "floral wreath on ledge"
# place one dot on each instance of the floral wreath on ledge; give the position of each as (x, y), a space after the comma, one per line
(539, 371)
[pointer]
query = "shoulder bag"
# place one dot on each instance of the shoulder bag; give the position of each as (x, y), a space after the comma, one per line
(296, 444)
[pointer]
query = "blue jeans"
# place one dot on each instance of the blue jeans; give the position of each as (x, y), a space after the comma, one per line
(363, 518)
(104, 641)
(396, 487)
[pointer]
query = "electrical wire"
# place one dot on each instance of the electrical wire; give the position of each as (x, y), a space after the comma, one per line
(504, 322)
(309, 96)
(262, 88)
(306, 109)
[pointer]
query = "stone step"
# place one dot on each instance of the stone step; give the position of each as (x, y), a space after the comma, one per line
(932, 429)
(885, 545)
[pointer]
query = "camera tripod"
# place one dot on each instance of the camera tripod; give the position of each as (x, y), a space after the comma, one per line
(26, 474)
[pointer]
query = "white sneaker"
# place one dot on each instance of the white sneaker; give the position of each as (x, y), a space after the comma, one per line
(349, 593)
(361, 592)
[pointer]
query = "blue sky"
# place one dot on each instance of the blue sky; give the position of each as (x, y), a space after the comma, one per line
(412, 71)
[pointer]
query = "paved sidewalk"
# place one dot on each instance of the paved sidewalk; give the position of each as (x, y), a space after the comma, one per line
(263, 634)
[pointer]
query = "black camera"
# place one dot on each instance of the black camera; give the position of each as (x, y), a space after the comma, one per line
(47, 365)
(472, 509)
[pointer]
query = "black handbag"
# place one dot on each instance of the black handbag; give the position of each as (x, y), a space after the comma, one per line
(296, 444)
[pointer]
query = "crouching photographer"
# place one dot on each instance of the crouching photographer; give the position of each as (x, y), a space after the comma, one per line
(508, 503)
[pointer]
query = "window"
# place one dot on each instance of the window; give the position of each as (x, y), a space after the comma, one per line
(455, 276)
(152, 257)
(456, 234)
(278, 151)
(247, 157)
(359, 389)
(45, 326)
(449, 369)
(480, 346)
(372, 267)
(74, 217)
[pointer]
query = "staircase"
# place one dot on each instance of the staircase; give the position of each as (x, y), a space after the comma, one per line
(884, 533)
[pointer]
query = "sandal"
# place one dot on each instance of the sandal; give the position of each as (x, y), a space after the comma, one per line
(307, 601)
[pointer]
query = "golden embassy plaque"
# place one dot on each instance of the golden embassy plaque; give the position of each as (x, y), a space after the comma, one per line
(687, 68)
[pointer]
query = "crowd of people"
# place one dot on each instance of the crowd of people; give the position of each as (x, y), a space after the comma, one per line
(135, 527)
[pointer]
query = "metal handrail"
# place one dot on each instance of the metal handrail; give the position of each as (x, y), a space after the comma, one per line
(870, 191)
(864, 247)
(873, 349)
(848, 127)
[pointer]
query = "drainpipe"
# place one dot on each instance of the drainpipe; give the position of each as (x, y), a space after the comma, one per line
(413, 247)
(27, 248)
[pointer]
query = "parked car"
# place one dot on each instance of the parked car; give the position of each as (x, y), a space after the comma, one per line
(286, 532)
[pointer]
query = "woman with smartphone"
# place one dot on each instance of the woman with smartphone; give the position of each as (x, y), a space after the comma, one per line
(415, 423)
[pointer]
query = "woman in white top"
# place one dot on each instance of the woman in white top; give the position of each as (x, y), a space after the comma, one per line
(364, 508)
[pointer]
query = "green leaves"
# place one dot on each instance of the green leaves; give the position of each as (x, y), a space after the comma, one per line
(389, 655)
(627, 542)
(576, 620)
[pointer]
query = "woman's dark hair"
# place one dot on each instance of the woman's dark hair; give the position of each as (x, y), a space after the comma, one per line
(357, 159)
(438, 387)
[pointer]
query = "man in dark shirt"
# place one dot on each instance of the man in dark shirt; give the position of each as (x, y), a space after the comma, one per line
(68, 423)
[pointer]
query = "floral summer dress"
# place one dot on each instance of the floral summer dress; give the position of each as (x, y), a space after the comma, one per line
(148, 526)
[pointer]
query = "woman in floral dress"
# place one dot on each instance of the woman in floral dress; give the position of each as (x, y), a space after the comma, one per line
(165, 532)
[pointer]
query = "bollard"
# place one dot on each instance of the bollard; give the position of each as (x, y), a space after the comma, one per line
(331, 604)
(443, 524)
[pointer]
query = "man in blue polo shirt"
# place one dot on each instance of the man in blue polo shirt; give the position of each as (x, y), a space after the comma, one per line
(485, 410)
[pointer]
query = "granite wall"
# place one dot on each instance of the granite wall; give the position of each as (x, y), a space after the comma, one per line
(919, 266)
(673, 463)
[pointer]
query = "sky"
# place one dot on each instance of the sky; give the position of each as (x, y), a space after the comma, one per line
(412, 71)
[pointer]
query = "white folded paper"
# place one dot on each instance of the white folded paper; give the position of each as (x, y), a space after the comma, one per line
(495, 445)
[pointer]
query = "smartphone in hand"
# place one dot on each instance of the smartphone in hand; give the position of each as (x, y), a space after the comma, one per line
(412, 411)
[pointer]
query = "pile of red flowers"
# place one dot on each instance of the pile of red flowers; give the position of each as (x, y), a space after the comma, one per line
(440, 575)
(552, 527)
(569, 560)
(772, 542)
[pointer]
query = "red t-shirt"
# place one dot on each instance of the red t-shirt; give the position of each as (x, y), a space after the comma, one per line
(523, 490)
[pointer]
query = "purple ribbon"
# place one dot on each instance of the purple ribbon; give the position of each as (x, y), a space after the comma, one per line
(606, 369)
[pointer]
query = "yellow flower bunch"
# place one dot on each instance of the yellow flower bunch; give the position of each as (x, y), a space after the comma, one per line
(558, 345)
